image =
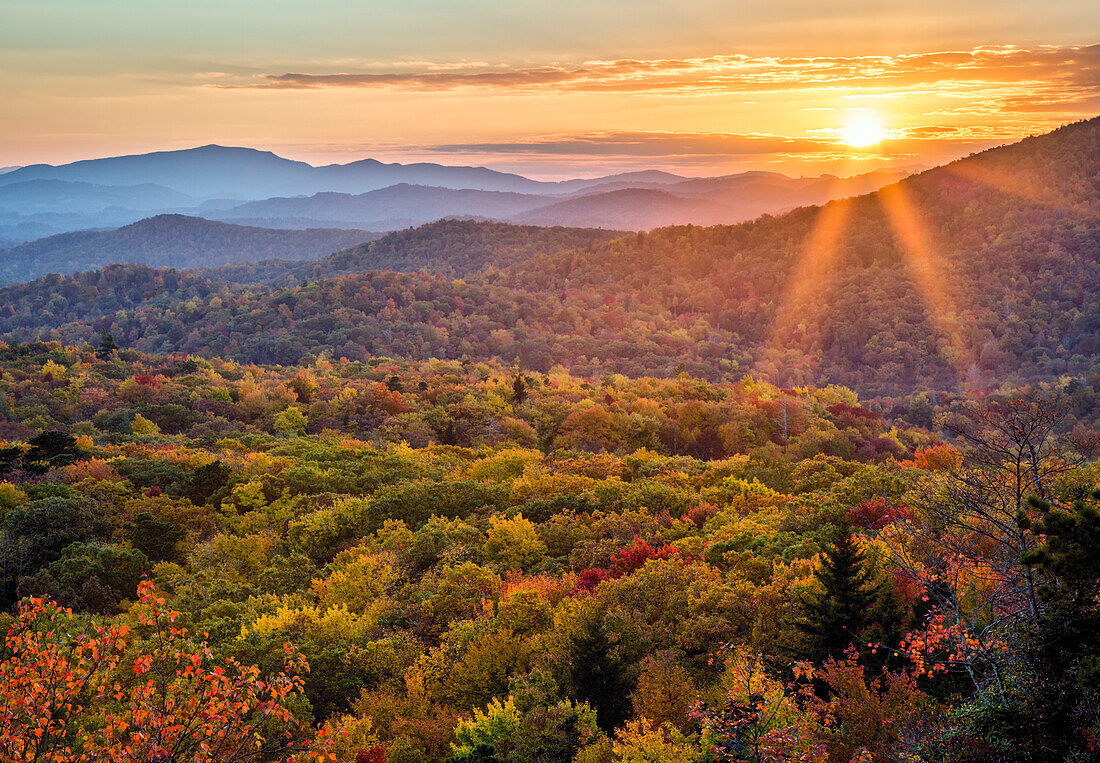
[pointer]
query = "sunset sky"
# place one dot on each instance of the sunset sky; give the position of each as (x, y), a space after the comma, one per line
(546, 88)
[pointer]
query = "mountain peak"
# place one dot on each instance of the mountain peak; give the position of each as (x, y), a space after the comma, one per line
(215, 148)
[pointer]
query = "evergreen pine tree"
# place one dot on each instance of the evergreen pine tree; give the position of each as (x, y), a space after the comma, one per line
(831, 621)
(1056, 707)
(519, 389)
(107, 346)
(598, 678)
(154, 538)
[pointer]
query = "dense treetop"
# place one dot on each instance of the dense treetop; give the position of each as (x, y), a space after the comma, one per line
(452, 248)
(484, 563)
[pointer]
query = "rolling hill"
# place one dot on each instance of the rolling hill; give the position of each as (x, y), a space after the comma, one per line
(33, 196)
(170, 241)
(398, 206)
(636, 201)
(629, 209)
(451, 248)
(966, 275)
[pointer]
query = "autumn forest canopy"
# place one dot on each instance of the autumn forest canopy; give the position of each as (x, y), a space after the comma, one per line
(818, 486)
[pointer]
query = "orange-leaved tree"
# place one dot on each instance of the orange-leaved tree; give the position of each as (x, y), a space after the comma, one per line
(73, 691)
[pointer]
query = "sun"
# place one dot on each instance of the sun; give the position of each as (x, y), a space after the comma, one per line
(863, 130)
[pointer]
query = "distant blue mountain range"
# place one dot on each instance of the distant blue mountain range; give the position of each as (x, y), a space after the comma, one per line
(257, 188)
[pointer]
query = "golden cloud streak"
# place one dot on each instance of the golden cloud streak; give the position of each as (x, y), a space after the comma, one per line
(1060, 74)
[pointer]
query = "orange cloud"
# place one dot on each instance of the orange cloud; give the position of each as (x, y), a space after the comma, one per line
(1017, 79)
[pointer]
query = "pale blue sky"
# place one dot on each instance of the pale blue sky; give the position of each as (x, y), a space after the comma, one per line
(511, 31)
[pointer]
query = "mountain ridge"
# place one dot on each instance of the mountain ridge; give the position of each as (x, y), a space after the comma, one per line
(28, 196)
(169, 240)
(238, 184)
(212, 170)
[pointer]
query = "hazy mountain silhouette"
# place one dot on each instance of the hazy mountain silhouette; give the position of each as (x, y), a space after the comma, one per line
(398, 206)
(630, 209)
(605, 203)
(245, 173)
(258, 187)
(35, 196)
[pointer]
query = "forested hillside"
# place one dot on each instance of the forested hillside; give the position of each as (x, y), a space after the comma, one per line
(983, 270)
(31, 196)
(973, 275)
(452, 248)
(174, 241)
(411, 315)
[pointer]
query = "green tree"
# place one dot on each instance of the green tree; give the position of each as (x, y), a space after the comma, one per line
(832, 620)
(519, 389)
(206, 481)
(36, 533)
(50, 449)
(291, 422)
(154, 538)
(107, 346)
(1054, 711)
(598, 677)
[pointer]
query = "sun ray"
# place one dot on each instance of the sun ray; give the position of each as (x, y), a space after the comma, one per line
(799, 314)
(928, 274)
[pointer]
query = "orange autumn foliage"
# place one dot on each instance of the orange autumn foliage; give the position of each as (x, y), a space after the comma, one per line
(76, 693)
(935, 458)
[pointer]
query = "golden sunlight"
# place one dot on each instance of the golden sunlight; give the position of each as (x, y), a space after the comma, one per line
(863, 130)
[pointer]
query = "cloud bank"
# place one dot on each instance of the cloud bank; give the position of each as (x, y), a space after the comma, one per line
(1026, 80)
